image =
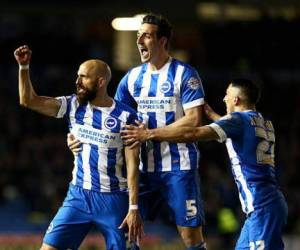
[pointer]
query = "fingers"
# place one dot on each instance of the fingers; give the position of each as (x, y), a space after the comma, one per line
(135, 144)
(139, 123)
(131, 233)
(135, 227)
(22, 50)
(23, 55)
(74, 145)
(123, 224)
(70, 136)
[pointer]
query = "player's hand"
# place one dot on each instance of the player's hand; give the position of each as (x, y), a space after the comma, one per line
(135, 225)
(210, 113)
(23, 55)
(74, 144)
(132, 135)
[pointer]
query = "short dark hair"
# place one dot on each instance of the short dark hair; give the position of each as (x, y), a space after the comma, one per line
(250, 89)
(164, 26)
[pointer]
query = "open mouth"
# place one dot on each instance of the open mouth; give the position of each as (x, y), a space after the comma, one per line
(80, 90)
(144, 52)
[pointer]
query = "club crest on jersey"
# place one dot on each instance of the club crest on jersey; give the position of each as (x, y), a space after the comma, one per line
(110, 122)
(194, 83)
(165, 87)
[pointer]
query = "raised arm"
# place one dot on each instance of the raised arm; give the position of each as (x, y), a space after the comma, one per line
(28, 98)
(133, 219)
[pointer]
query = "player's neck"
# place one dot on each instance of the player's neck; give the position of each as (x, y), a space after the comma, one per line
(157, 64)
(242, 108)
(102, 100)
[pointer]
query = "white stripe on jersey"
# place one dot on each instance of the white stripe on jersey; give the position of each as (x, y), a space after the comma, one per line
(164, 146)
(177, 85)
(75, 170)
(185, 163)
(134, 73)
(74, 106)
(178, 77)
(247, 205)
(102, 170)
(87, 182)
(146, 85)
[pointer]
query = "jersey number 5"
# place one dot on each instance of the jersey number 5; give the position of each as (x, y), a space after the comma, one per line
(191, 209)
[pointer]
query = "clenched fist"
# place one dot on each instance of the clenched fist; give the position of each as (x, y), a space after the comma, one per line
(23, 55)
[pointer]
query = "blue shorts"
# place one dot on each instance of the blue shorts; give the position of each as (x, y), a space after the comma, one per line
(263, 228)
(82, 210)
(179, 189)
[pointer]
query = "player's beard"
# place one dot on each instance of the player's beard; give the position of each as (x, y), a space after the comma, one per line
(87, 96)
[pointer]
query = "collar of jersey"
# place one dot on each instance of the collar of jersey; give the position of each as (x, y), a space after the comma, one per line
(166, 65)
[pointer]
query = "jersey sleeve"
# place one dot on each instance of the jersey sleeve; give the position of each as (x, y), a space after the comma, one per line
(192, 93)
(229, 126)
(65, 102)
(122, 93)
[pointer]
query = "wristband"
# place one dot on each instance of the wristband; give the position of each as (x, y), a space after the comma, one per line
(23, 67)
(133, 207)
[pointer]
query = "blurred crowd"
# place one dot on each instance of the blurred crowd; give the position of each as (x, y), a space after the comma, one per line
(35, 162)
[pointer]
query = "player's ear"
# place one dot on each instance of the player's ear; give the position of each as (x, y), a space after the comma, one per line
(237, 100)
(163, 41)
(101, 82)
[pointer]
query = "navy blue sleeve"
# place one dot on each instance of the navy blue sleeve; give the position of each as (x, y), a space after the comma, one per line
(229, 126)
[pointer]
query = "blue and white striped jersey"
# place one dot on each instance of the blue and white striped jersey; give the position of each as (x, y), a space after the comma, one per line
(100, 165)
(164, 95)
(250, 142)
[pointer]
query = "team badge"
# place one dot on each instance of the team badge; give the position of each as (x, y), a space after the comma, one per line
(194, 83)
(110, 122)
(165, 87)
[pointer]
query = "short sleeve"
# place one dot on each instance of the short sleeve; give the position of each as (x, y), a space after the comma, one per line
(229, 126)
(122, 93)
(64, 105)
(192, 93)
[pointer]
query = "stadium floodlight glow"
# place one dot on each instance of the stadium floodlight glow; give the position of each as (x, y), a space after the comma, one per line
(127, 23)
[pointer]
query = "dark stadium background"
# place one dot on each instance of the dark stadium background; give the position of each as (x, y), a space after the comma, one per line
(35, 164)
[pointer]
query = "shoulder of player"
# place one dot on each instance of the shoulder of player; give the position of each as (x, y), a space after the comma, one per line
(187, 67)
(137, 68)
(68, 98)
(234, 116)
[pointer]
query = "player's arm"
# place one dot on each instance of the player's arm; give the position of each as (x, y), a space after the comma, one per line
(210, 113)
(169, 133)
(133, 219)
(28, 98)
(192, 118)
